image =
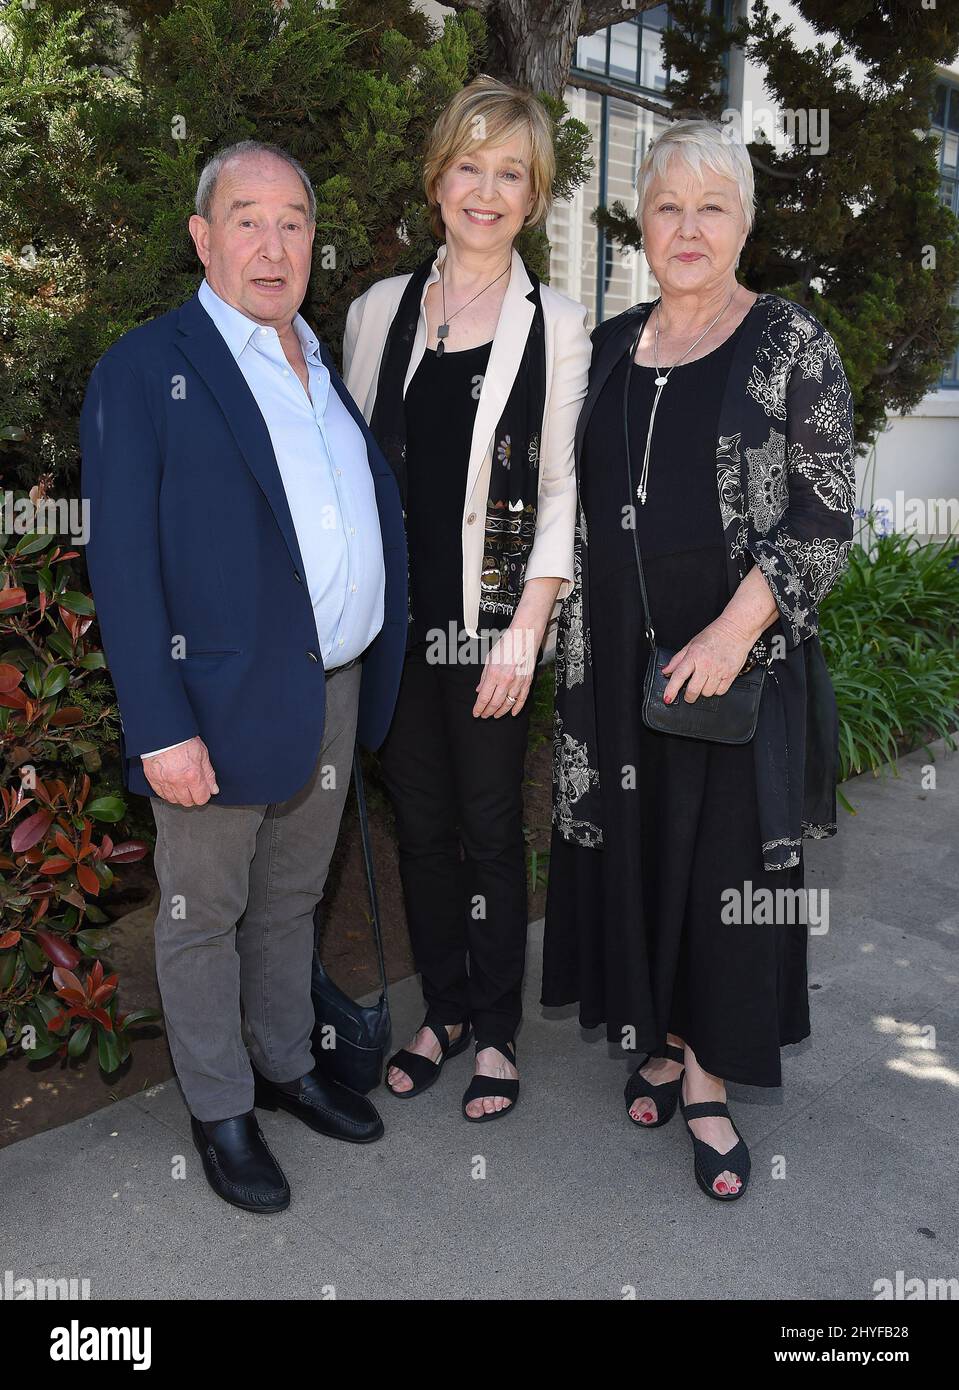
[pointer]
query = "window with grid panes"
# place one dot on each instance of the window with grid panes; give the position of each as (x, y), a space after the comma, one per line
(585, 263)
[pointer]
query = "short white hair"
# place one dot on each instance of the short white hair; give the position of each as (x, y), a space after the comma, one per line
(699, 144)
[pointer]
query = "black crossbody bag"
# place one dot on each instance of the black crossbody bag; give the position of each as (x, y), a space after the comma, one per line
(729, 718)
(360, 1033)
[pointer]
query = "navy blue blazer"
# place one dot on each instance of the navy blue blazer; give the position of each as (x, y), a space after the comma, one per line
(191, 538)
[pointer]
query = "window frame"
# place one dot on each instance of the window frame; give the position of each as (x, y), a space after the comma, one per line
(948, 176)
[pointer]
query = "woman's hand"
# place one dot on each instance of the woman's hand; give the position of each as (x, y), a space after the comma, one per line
(715, 656)
(510, 667)
(508, 672)
(709, 662)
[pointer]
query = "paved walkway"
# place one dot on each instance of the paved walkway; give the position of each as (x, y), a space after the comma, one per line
(565, 1199)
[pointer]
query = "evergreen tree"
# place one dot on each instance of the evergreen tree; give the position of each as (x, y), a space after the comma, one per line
(107, 117)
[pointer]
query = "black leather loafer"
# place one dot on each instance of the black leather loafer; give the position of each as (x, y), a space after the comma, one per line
(325, 1106)
(239, 1166)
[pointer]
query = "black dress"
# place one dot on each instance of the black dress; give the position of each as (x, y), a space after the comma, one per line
(634, 931)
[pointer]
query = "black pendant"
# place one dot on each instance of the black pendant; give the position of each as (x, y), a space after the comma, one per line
(441, 333)
(440, 349)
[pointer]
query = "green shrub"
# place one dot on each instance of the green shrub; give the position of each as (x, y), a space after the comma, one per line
(890, 633)
(56, 863)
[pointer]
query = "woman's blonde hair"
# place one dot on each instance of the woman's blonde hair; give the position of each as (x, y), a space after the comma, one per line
(699, 143)
(488, 112)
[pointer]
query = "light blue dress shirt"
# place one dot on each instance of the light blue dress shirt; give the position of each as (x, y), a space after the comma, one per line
(321, 454)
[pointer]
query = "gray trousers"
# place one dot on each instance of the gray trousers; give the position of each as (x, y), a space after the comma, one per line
(238, 888)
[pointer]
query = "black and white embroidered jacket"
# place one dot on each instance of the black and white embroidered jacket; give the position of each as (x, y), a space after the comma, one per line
(786, 484)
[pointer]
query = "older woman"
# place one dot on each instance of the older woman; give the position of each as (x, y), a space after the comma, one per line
(733, 415)
(471, 374)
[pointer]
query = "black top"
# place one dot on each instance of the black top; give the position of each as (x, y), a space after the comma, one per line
(441, 403)
(681, 511)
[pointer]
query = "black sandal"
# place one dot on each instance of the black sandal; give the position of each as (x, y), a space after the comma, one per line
(482, 1086)
(708, 1162)
(421, 1071)
(664, 1096)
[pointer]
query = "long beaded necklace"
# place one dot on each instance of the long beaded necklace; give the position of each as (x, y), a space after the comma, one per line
(444, 328)
(660, 380)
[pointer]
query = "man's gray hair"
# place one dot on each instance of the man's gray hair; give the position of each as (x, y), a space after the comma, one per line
(206, 188)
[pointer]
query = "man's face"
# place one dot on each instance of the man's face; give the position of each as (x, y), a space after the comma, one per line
(258, 244)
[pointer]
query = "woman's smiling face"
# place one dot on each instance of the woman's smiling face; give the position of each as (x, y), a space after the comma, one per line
(693, 228)
(486, 194)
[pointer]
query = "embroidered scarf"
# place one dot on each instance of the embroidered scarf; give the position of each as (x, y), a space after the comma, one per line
(514, 476)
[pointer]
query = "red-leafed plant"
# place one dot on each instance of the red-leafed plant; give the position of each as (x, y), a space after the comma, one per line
(57, 712)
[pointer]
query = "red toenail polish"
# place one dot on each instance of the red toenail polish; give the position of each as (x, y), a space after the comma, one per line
(720, 1187)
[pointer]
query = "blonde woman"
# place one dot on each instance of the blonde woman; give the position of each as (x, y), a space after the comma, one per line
(471, 373)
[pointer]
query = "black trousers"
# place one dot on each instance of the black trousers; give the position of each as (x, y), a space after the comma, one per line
(456, 784)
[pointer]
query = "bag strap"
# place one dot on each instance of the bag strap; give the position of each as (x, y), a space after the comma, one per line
(647, 620)
(368, 863)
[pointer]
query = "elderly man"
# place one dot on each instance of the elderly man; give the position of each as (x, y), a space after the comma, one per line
(248, 562)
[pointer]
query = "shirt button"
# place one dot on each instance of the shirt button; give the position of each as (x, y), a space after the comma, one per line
(352, 530)
(352, 588)
(471, 518)
(285, 372)
(313, 656)
(340, 643)
(339, 472)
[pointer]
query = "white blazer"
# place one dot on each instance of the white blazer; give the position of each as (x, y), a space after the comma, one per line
(567, 367)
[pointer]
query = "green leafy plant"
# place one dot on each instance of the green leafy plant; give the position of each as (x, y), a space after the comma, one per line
(890, 633)
(55, 995)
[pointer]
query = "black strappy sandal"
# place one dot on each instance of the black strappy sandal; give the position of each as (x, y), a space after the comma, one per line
(708, 1162)
(482, 1086)
(421, 1071)
(665, 1095)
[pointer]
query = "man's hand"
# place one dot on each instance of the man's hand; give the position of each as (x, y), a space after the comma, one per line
(183, 775)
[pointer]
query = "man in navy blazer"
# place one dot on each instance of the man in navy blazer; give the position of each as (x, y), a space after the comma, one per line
(248, 562)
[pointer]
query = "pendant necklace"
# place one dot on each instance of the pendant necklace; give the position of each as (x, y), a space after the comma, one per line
(444, 328)
(661, 378)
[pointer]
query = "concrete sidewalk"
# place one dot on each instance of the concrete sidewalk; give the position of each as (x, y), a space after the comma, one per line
(565, 1199)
